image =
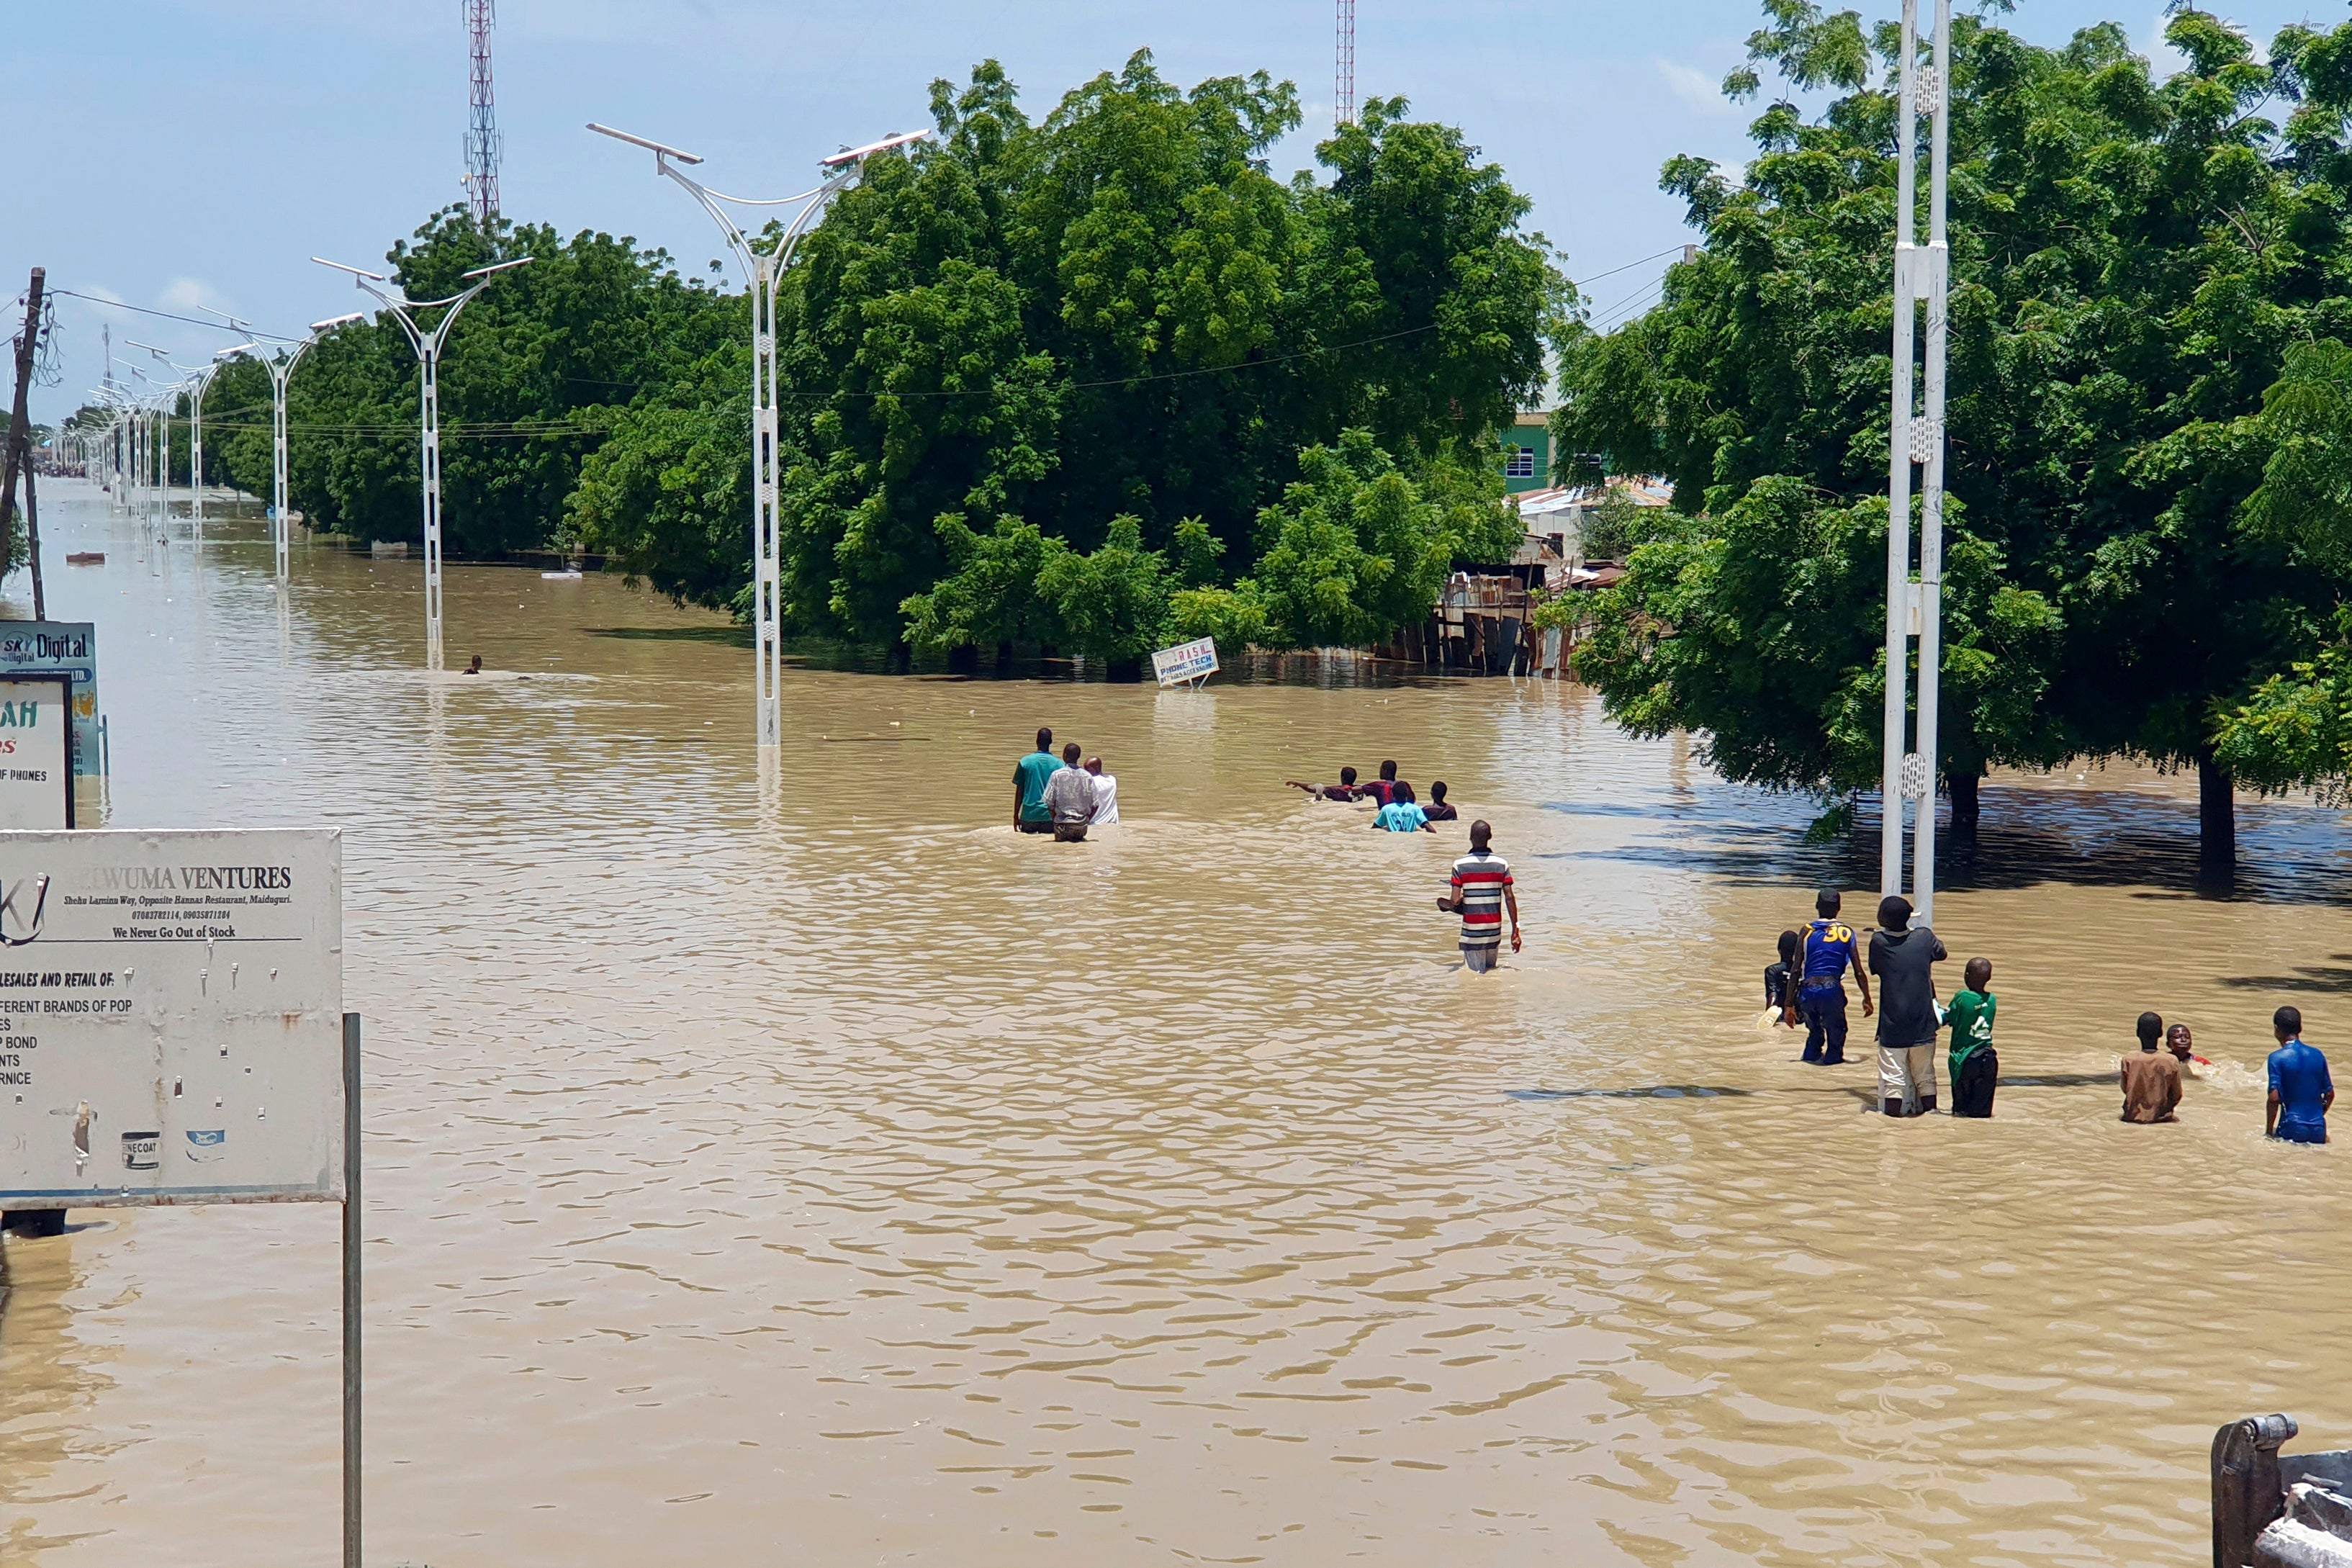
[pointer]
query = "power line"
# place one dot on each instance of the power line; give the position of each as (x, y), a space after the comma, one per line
(1639, 295)
(166, 315)
(522, 428)
(1629, 267)
(1147, 380)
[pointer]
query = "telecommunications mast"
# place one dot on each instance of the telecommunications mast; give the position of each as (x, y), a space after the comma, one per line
(482, 140)
(1343, 78)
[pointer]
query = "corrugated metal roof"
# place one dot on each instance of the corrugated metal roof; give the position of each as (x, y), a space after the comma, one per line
(1640, 491)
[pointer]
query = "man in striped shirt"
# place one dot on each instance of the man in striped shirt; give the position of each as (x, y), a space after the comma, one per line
(1482, 892)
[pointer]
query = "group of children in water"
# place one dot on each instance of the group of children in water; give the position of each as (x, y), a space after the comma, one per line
(1807, 989)
(1400, 810)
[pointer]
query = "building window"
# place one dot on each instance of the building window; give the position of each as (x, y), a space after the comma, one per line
(1519, 462)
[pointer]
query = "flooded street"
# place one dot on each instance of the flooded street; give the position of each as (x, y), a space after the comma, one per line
(836, 1177)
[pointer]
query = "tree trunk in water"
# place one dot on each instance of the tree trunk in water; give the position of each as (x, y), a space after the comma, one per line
(1004, 660)
(1965, 807)
(2217, 822)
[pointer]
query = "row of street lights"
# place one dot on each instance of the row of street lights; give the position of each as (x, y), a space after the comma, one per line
(133, 455)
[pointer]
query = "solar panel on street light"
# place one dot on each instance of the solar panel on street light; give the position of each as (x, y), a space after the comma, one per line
(653, 147)
(859, 155)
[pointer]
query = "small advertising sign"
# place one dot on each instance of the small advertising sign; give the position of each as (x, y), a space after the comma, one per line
(60, 647)
(170, 1017)
(35, 779)
(1185, 661)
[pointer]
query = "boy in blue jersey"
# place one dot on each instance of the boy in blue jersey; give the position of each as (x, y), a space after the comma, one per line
(1825, 951)
(2301, 1091)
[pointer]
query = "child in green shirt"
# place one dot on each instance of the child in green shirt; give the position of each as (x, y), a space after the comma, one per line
(1975, 1067)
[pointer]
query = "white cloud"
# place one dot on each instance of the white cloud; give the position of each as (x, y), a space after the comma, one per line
(187, 295)
(1695, 87)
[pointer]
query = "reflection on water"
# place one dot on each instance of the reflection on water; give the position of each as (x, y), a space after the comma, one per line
(824, 1173)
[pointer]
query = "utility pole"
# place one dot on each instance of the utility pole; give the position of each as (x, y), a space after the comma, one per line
(20, 431)
(1922, 273)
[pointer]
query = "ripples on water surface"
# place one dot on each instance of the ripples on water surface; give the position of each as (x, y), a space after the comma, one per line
(852, 1182)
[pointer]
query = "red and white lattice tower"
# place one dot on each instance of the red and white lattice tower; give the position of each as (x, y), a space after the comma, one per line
(483, 142)
(1343, 82)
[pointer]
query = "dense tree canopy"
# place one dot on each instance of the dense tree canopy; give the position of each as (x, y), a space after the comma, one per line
(1116, 312)
(2132, 260)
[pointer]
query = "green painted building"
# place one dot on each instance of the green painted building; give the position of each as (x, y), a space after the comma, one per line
(1526, 454)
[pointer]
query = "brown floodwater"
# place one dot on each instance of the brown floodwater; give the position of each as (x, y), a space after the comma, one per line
(829, 1176)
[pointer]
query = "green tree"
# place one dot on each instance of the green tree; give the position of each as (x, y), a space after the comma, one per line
(667, 496)
(2131, 260)
(1117, 312)
(2294, 729)
(1356, 549)
(991, 599)
(1737, 627)
(1113, 601)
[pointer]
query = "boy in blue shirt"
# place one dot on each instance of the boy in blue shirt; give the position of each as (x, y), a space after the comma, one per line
(1825, 951)
(2301, 1091)
(1403, 814)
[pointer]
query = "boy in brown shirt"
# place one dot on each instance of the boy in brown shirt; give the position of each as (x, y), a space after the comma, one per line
(2151, 1080)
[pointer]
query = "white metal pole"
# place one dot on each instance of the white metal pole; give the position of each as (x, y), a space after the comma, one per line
(280, 372)
(1931, 482)
(429, 412)
(196, 457)
(428, 347)
(1899, 598)
(196, 445)
(764, 274)
(767, 581)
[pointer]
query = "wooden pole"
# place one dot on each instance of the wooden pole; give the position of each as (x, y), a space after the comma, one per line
(20, 431)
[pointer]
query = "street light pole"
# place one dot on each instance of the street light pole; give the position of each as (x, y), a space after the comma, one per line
(1916, 610)
(763, 271)
(280, 370)
(428, 346)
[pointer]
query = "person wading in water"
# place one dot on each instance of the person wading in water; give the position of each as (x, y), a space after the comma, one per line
(1826, 952)
(1030, 776)
(1903, 957)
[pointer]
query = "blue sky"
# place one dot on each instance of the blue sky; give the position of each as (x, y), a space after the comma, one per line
(198, 153)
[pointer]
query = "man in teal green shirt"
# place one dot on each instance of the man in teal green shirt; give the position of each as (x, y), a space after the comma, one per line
(1030, 775)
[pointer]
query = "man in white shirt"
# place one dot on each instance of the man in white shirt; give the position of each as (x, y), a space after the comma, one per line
(1070, 798)
(1106, 795)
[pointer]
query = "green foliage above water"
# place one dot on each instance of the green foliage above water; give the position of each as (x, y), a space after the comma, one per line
(1116, 318)
(2132, 262)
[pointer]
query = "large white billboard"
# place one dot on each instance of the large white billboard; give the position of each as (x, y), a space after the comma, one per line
(170, 1017)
